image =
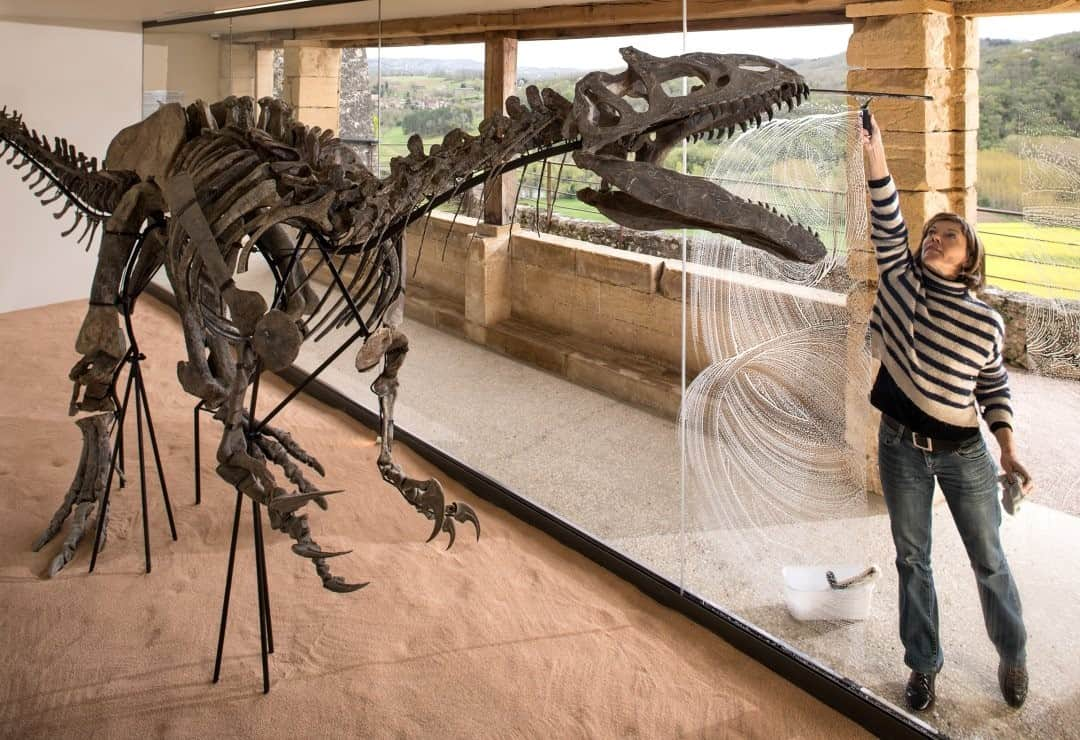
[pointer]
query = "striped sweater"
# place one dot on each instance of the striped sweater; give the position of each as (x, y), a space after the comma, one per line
(941, 345)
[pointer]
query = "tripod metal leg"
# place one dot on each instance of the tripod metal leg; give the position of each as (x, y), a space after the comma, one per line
(141, 393)
(264, 585)
(228, 587)
(260, 575)
(142, 468)
(117, 459)
(198, 459)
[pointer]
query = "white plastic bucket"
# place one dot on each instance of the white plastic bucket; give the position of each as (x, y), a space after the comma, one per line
(808, 596)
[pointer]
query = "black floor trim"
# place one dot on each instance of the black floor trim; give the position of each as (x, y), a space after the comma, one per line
(843, 695)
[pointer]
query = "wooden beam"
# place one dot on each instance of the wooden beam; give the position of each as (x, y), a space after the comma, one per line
(1014, 7)
(500, 78)
(562, 17)
(899, 7)
(580, 32)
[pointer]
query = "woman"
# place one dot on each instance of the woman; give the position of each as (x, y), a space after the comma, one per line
(941, 363)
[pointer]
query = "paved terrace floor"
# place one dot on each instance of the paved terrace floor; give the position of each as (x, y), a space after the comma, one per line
(614, 471)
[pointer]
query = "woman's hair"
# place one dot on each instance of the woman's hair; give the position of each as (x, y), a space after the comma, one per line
(973, 271)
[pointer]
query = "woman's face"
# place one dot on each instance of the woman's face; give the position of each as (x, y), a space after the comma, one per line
(944, 250)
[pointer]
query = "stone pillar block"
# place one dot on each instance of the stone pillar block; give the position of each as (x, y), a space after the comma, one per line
(914, 41)
(860, 418)
(311, 84)
(311, 61)
(965, 43)
(932, 161)
(264, 73)
(899, 41)
(487, 280)
(236, 65)
(918, 206)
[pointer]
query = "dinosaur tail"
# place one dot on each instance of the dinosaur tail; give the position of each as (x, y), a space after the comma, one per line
(62, 173)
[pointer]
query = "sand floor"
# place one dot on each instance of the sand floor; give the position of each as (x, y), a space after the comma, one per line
(511, 636)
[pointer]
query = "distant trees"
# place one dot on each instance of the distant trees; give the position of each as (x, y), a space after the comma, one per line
(437, 121)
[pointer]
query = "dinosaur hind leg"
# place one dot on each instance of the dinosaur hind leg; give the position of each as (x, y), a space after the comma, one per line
(85, 493)
(425, 496)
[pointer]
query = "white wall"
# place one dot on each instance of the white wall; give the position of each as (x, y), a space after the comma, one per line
(80, 83)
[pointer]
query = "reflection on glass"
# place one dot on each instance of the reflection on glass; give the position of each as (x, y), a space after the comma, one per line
(547, 356)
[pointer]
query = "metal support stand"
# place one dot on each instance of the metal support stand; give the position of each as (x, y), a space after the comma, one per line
(134, 382)
(266, 629)
(200, 407)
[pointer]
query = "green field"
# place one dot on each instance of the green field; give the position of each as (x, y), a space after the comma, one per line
(1040, 260)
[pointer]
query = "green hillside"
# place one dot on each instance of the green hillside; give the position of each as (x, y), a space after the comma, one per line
(1029, 87)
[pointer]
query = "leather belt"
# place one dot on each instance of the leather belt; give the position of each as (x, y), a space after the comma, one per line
(922, 441)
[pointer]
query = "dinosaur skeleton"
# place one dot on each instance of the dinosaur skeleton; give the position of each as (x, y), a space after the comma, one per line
(196, 190)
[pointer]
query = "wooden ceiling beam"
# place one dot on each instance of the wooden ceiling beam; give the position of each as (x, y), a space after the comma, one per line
(559, 19)
(549, 34)
(1013, 7)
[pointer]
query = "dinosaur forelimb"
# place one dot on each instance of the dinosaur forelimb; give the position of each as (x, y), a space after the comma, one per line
(86, 491)
(426, 496)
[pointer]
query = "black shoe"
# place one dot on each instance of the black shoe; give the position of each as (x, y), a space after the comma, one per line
(920, 691)
(1013, 680)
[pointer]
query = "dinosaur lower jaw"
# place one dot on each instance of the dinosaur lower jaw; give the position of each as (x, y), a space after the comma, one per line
(649, 197)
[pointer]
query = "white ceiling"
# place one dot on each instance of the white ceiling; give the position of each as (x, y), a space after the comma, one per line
(113, 11)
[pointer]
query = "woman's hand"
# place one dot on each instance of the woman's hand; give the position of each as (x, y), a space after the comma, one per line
(874, 147)
(1011, 466)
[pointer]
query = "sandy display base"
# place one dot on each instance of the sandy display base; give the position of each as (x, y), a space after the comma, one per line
(511, 636)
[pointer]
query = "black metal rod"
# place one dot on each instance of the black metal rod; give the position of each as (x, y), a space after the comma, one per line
(141, 393)
(142, 468)
(264, 583)
(257, 525)
(104, 508)
(198, 460)
(228, 587)
(868, 93)
(299, 387)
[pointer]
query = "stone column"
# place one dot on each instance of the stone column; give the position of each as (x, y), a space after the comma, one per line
(312, 82)
(236, 63)
(487, 280)
(914, 47)
(264, 73)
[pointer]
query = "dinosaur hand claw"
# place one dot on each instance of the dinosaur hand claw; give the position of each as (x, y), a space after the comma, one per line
(339, 585)
(292, 502)
(310, 550)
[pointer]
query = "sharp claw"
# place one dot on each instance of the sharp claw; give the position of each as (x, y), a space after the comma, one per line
(430, 502)
(448, 527)
(465, 513)
(292, 502)
(337, 585)
(310, 551)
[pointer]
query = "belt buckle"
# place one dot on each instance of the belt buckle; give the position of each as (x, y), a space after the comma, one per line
(929, 443)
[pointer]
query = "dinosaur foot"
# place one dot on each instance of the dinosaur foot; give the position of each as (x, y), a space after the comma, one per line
(84, 495)
(428, 499)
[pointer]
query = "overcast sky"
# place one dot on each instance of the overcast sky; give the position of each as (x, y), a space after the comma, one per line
(783, 43)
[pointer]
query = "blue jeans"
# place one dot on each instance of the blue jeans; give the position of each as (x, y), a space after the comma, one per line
(968, 478)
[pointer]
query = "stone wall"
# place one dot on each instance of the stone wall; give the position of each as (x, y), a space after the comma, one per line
(658, 244)
(1057, 321)
(355, 96)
